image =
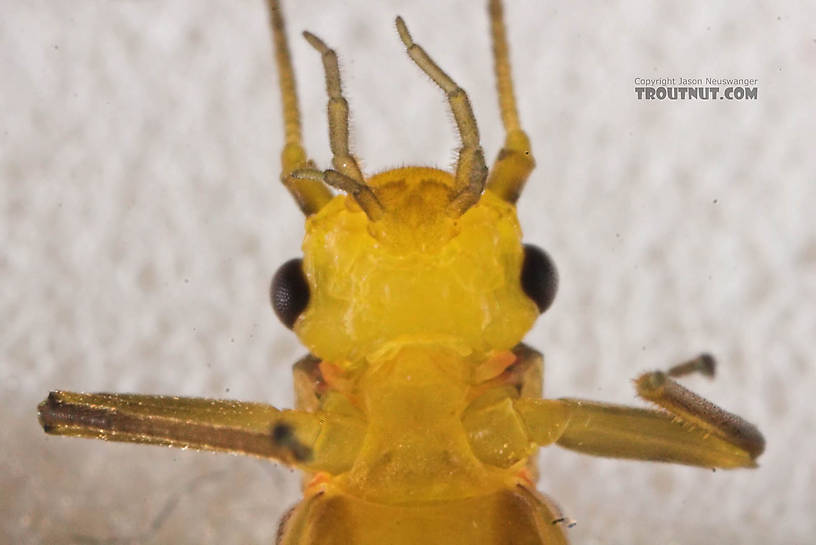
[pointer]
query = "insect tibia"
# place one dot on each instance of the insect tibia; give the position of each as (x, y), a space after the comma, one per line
(697, 411)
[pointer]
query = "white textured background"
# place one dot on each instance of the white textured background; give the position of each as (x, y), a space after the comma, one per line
(142, 219)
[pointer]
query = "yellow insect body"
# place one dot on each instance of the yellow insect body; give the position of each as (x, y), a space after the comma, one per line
(411, 312)
(418, 411)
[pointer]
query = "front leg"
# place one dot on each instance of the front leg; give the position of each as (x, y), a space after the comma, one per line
(312, 441)
(691, 430)
(697, 411)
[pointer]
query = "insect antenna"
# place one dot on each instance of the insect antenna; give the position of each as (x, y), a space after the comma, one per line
(346, 174)
(471, 171)
(358, 190)
(310, 194)
(515, 161)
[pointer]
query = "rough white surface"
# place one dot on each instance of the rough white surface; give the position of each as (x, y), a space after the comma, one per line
(142, 218)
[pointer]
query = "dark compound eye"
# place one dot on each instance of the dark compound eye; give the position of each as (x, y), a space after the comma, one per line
(289, 292)
(539, 277)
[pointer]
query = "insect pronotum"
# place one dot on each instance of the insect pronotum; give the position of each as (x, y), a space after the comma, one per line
(419, 409)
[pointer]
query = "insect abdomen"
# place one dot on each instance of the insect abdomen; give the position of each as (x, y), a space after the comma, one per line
(516, 515)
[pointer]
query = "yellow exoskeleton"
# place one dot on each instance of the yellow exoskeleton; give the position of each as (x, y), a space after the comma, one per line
(419, 410)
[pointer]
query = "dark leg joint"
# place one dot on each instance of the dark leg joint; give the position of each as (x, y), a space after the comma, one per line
(284, 436)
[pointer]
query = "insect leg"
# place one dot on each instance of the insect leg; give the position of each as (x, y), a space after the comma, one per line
(310, 195)
(666, 393)
(312, 441)
(515, 161)
(690, 430)
(617, 431)
(471, 171)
